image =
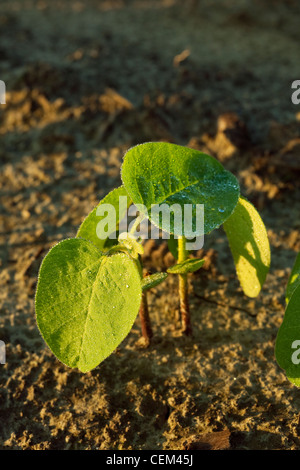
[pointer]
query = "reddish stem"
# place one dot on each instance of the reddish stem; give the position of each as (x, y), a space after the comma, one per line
(145, 319)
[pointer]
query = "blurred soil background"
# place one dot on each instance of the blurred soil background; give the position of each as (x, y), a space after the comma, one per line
(85, 81)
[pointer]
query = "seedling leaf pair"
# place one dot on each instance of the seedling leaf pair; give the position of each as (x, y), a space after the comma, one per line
(86, 302)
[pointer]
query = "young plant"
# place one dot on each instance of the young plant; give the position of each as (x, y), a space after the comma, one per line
(287, 346)
(91, 288)
(156, 174)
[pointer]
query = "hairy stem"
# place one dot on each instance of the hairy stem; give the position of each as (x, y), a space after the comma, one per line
(145, 319)
(183, 290)
(144, 311)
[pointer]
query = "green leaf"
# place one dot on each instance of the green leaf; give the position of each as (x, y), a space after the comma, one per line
(86, 302)
(187, 266)
(109, 219)
(287, 347)
(249, 244)
(153, 280)
(294, 279)
(162, 173)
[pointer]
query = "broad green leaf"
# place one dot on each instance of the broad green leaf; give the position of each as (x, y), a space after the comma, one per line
(118, 201)
(287, 347)
(187, 266)
(249, 244)
(153, 280)
(159, 173)
(294, 279)
(86, 302)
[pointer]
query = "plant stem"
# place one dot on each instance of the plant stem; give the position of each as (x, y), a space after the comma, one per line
(183, 290)
(145, 319)
(144, 311)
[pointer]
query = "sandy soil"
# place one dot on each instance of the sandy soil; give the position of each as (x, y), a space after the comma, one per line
(85, 81)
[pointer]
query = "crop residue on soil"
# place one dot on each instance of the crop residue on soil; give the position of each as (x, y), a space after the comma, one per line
(86, 81)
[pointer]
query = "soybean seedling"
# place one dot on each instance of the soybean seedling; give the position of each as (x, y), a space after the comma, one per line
(91, 288)
(157, 173)
(287, 347)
